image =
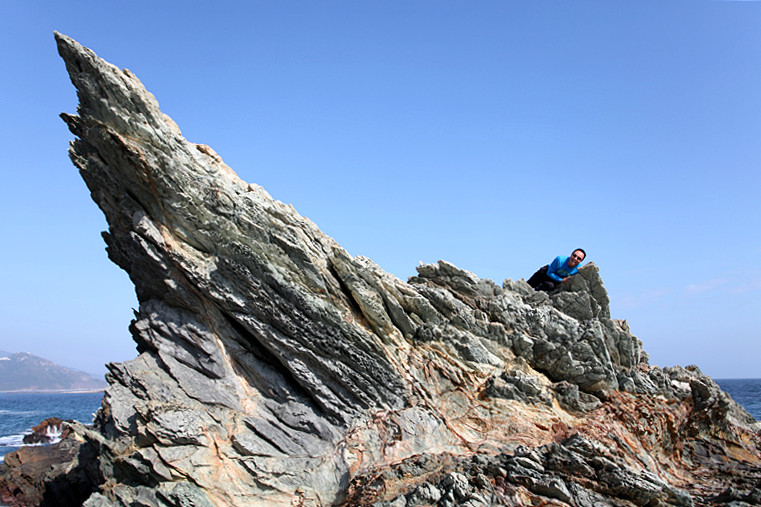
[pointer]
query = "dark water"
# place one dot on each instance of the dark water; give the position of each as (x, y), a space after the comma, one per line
(20, 412)
(746, 392)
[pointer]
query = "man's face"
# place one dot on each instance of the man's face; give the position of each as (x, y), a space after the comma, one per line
(576, 258)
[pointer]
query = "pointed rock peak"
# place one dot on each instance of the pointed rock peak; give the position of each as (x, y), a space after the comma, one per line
(110, 95)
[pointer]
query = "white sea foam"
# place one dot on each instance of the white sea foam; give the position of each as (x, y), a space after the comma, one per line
(54, 433)
(12, 441)
(19, 412)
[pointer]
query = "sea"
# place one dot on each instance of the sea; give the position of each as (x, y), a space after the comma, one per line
(20, 412)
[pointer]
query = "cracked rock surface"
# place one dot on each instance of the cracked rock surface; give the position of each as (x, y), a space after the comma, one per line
(276, 369)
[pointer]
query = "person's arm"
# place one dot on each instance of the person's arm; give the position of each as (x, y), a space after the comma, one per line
(554, 266)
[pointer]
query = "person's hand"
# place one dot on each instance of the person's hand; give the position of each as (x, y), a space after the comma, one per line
(564, 279)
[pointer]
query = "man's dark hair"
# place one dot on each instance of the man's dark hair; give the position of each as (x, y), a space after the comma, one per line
(582, 251)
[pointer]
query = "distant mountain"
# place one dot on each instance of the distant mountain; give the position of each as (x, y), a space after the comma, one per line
(25, 372)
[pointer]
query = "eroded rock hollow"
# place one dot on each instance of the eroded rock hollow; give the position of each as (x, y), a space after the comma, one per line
(276, 369)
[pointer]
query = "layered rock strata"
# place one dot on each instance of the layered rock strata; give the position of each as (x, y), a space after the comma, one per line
(276, 369)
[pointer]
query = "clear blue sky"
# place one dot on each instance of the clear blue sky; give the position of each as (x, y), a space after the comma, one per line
(492, 134)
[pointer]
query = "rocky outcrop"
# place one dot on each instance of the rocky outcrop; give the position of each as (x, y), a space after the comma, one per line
(47, 432)
(276, 369)
(64, 474)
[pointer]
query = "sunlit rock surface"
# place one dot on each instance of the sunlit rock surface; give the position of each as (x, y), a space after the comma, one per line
(276, 369)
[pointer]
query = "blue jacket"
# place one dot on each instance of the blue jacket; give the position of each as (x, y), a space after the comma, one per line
(559, 269)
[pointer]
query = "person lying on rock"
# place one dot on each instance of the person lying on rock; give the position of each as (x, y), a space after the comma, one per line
(551, 276)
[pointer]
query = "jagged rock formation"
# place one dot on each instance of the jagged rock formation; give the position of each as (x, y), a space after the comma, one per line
(62, 474)
(276, 369)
